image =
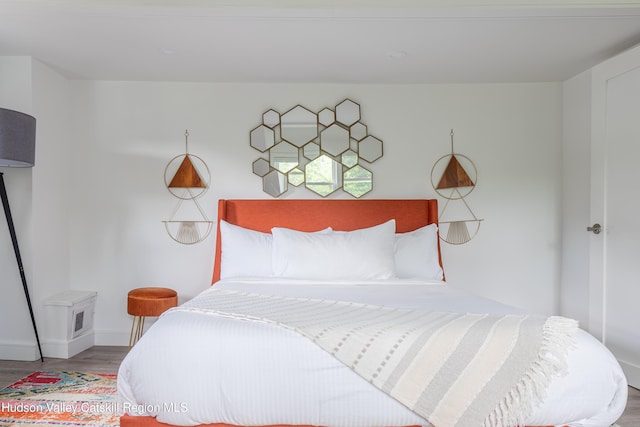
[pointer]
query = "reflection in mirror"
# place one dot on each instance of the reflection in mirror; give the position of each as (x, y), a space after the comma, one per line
(370, 149)
(358, 181)
(311, 150)
(283, 157)
(271, 118)
(326, 117)
(347, 112)
(358, 131)
(274, 183)
(299, 126)
(334, 140)
(296, 177)
(262, 138)
(261, 167)
(349, 158)
(323, 175)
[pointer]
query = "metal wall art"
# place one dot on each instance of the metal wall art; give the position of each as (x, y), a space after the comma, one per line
(187, 177)
(325, 151)
(454, 177)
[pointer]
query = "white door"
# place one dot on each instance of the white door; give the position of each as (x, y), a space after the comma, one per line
(615, 253)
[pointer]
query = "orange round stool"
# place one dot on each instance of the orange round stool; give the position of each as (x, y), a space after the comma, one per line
(144, 302)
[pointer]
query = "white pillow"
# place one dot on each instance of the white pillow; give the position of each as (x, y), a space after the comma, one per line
(365, 254)
(245, 252)
(417, 254)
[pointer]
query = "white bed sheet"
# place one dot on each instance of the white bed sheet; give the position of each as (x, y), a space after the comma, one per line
(191, 368)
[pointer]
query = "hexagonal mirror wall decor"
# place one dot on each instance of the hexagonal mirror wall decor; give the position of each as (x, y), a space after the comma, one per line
(326, 151)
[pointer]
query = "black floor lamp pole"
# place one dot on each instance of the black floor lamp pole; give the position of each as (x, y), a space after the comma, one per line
(16, 249)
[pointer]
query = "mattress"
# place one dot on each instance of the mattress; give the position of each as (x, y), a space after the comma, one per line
(192, 368)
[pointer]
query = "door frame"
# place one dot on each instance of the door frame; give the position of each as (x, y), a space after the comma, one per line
(600, 77)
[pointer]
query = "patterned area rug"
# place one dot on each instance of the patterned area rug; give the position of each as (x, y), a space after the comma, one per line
(61, 398)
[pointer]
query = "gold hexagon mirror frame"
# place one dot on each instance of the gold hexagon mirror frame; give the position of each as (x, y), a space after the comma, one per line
(325, 151)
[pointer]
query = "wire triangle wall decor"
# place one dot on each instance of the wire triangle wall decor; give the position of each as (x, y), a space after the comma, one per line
(188, 226)
(456, 220)
(456, 177)
(189, 173)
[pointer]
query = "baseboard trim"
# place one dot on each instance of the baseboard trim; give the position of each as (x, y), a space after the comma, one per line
(62, 349)
(27, 352)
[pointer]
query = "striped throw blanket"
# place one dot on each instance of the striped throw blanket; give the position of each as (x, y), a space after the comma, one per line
(453, 369)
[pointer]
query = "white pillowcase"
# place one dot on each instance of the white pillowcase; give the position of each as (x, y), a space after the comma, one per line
(245, 252)
(364, 254)
(416, 254)
(359, 254)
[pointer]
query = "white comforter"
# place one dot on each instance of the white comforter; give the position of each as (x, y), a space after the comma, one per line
(191, 368)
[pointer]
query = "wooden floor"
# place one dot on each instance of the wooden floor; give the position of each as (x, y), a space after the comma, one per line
(107, 359)
(99, 359)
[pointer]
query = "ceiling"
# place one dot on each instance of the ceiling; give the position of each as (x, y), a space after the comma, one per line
(342, 41)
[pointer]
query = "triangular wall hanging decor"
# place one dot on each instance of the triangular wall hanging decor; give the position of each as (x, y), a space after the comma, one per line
(188, 223)
(187, 176)
(455, 182)
(458, 224)
(454, 175)
(187, 226)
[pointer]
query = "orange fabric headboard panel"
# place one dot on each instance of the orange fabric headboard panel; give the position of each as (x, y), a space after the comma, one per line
(316, 214)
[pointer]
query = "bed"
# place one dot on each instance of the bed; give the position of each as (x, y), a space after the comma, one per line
(369, 336)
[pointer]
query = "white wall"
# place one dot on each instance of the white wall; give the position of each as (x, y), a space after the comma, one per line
(39, 205)
(17, 340)
(51, 189)
(122, 134)
(576, 178)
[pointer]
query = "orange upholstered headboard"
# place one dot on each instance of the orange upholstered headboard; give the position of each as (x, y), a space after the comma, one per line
(312, 215)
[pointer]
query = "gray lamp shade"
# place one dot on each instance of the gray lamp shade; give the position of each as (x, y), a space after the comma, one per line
(17, 139)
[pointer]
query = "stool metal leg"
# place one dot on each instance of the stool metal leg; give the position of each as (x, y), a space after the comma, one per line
(133, 323)
(138, 325)
(141, 331)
